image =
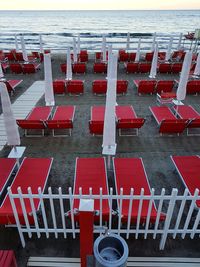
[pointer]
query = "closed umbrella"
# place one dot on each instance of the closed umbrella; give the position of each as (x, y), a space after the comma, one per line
(179, 41)
(154, 63)
(16, 43)
(137, 58)
(181, 91)
(197, 67)
(69, 65)
(168, 53)
(109, 58)
(41, 44)
(154, 41)
(79, 44)
(1, 72)
(75, 50)
(25, 57)
(103, 49)
(49, 95)
(128, 41)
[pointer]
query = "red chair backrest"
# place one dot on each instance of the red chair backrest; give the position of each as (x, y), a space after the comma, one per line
(164, 86)
(59, 87)
(63, 67)
(147, 87)
(173, 126)
(135, 123)
(99, 86)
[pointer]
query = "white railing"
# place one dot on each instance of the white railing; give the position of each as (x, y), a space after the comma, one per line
(56, 214)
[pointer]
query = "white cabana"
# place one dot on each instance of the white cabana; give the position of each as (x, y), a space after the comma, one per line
(79, 44)
(49, 95)
(128, 41)
(109, 131)
(181, 91)
(179, 41)
(1, 72)
(137, 58)
(16, 43)
(41, 44)
(197, 67)
(69, 65)
(154, 63)
(25, 57)
(153, 42)
(169, 48)
(75, 58)
(103, 49)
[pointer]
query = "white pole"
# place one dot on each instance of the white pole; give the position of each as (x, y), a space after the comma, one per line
(25, 57)
(69, 65)
(41, 44)
(197, 67)
(75, 50)
(137, 58)
(128, 41)
(154, 63)
(49, 94)
(154, 42)
(179, 41)
(104, 48)
(16, 43)
(79, 44)
(168, 53)
(1, 72)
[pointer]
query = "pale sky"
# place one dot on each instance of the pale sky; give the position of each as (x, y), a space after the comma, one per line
(97, 4)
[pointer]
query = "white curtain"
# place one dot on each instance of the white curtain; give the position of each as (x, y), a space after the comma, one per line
(154, 63)
(181, 91)
(103, 49)
(137, 58)
(16, 43)
(1, 72)
(179, 41)
(169, 48)
(128, 41)
(197, 67)
(153, 42)
(49, 95)
(25, 57)
(79, 44)
(69, 65)
(11, 127)
(41, 44)
(75, 50)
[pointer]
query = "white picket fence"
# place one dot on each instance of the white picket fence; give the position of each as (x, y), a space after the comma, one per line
(56, 214)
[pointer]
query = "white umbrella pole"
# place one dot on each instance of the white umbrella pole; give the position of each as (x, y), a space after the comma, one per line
(104, 48)
(79, 44)
(25, 57)
(109, 60)
(41, 44)
(16, 43)
(1, 72)
(179, 41)
(154, 63)
(197, 67)
(49, 94)
(137, 58)
(75, 50)
(69, 65)
(128, 41)
(168, 53)
(154, 42)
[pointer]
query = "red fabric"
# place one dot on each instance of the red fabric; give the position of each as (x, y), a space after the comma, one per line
(39, 113)
(164, 86)
(162, 113)
(75, 87)
(187, 112)
(99, 86)
(14, 83)
(132, 67)
(168, 95)
(7, 258)
(189, 169)
(164, 67)
(97, 113)
(79, 68)
(136, 82)
(91, 173)
(64, 113)
(146, 87)
(33, 173)
(59, 86)
(6, 167)
(130, 173)
(125, 112)
(100, 67)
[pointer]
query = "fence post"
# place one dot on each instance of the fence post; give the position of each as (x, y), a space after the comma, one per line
(86, 220)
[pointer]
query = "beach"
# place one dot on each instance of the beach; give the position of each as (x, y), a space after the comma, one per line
(155, 150)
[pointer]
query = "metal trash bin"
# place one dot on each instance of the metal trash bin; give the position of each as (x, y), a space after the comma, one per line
(110, 251)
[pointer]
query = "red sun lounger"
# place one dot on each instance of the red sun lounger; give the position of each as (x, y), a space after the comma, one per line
(144, 67)
(164, 86)
(62, 119)
(79, 68)
(12, 84)
(130, 173)
(127, 120)
(164, 67)
(100, 87)
(33, 173)
(16, 68)
(91, 173)
(145, 87)
(97, 120)
(188, 113)
(167, 121)
(131, 67)
(188, 168)
(35, 120)
(100, 67)
(59, 87)
(75, 87)
(193, 87)
(7, 166)
(30, 68)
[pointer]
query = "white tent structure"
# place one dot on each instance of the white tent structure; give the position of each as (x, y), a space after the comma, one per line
(128, 41)
(41, 44)
(197, 67)
(79, 44)
(1, 72)
(179, 41)
(103, 48)
(16, 43)
(154, 63)
(181, 91)
(169, 48)
(137, 58)
(49, 95)
(109, 131)
(25, 57)
(75, 57)
(153, 42)
(69, 65)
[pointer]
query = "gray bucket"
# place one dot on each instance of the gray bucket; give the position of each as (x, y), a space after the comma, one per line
(110, 251)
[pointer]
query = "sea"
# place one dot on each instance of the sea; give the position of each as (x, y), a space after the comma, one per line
(59, 27)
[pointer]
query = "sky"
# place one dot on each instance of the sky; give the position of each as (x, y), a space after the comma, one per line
(97, 4)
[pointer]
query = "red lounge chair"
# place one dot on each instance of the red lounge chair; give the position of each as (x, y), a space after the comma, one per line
(188, 168)
(193, 87)
(97, 120)
(178, 55)
(164, 67)
(123, 56)
(37, 170)
(100, 87)
(63, 67)
(122, 86)
(149, 56)
(91, 173)
(99, 56)
(131, 67)
(16, 68)
(7, 258)
(7, 167)
(35, 120)
(161, 55)
(100, 67)
(132, 56)
(145, 87)
(10, 56)
(188, 113)
(130, 173)
(5, 66)
(166, 98)
(62, 119)
(59, 87)
(176, 67)
(144, 67)
(79, 68)
(83, 56)
(75, 87)
(164, 86)
(12, 84)
(30, 68)
(167, 121)
(19, 56)
(127, 120)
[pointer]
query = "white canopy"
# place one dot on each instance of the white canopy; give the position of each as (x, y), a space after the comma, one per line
(103, 49)
(137, 58)
(69, 65)
(41, 44)
(11, 127)
(154, 63)
(181, 91)
(75, 50)
(128, 41)
(49, 95)
(1, 72)
(25, 57)
(197, 67)
(168, 53)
